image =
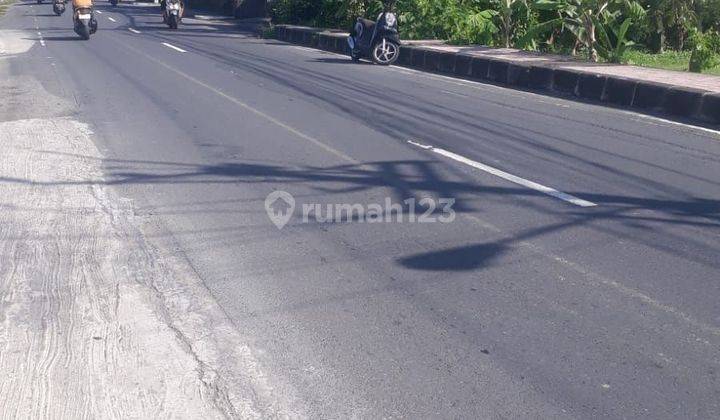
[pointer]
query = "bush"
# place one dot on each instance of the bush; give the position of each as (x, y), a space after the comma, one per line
(295, 11)
(705, 50)
(268, 32)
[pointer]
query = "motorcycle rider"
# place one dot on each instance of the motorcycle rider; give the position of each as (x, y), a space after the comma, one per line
(163, 7)
(78, 4)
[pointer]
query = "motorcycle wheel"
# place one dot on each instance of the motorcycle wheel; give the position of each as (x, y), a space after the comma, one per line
(84, 32)
(385, 52)
(172, 22)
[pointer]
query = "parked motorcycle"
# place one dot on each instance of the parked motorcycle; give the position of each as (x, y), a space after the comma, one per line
(84, 22)
(59, 7)
(172, 14)
(379, 41)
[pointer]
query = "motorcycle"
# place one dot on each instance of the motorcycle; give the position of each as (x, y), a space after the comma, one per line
(172, 14)
(379, 41)
(59, 7)
(84, 22)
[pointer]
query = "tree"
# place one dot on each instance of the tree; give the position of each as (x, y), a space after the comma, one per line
(506, 11)
(580, 18)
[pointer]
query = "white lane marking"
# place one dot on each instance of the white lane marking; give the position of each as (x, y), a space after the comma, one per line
(98, 12)
(644, 118)
(111, 19)
(506, 176)
(174, 47)
(655, 119)
(135, 31)
(314, 50)
(42, 41)
(648, 119)
(598, 279)
(245, 106)
(454, 93)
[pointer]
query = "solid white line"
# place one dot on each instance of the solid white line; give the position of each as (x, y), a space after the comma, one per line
(508, 177)
(135, 31)
(644, 118)
(173, 47)
(649, 119)
(454, 93)
(111, 19)
(317, 51)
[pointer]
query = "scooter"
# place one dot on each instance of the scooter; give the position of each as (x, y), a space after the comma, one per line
(379, 41)
(84, 22)
(59, 7)
(172, 15)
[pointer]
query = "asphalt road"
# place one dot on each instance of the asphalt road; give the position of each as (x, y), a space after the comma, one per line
(524, 306)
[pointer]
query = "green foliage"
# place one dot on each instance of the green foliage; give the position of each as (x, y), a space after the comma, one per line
(510, 13)
(458, 21)
(476, 28)
(598, 29)
(4, 5)
(268, 32)
(706, 48)
(669, 60)
(295, 11)
(612, 41)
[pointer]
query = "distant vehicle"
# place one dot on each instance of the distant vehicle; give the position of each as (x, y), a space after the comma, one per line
(172, 14)
(84, 22)
(59, 7)
(379, 41)
(114, 2)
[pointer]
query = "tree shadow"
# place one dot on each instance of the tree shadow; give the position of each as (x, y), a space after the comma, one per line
(641, 220)
(62, 38)
(464, 258)
(339, 61)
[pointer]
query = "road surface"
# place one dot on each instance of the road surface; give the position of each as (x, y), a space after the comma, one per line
(580, 277)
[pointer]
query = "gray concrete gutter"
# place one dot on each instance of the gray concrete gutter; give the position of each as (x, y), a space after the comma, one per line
(688, 96)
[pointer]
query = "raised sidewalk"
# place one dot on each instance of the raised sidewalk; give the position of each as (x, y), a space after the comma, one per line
(685, 95)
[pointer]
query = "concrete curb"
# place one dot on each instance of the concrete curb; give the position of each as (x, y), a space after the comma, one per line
(678, 101)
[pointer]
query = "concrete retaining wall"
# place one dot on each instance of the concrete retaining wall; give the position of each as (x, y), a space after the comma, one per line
(677, 101)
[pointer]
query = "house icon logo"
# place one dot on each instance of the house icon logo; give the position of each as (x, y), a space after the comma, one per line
(279, 206)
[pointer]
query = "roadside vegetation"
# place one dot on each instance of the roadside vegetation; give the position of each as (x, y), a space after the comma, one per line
(4, 5)
(670, 34)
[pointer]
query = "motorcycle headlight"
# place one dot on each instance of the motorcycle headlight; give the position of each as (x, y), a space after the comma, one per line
(390, 19)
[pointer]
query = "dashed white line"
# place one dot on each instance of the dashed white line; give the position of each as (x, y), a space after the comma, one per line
(98, 12)
(506, 176)
(135, 31)
(174, 47)
(42, 41)
(111, 19)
